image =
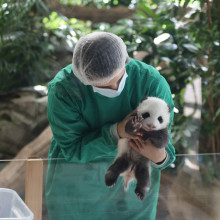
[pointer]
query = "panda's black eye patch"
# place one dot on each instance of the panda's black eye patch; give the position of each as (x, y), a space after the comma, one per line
(160, 119)
(146, 115)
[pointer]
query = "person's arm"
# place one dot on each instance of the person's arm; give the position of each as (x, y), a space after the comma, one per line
(71, 132)
(169, 159)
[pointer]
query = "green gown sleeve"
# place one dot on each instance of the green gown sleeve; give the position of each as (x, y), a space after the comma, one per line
(70, 131)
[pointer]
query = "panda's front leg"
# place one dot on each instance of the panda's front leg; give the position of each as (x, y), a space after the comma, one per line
(142, 174)
(120, 164)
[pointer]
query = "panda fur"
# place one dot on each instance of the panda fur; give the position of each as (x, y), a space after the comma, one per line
(152, 120)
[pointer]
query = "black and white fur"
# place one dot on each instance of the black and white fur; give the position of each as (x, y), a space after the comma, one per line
(152, 120)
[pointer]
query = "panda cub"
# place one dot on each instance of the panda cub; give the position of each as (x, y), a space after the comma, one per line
(152, 120)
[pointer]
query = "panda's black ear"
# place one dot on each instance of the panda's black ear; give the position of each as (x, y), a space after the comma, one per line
(169, 108)
(144, 98)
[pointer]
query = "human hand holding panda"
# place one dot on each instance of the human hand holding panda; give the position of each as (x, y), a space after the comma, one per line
(149, 127)
(148, 150)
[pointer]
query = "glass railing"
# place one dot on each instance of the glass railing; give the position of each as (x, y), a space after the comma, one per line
(189, 190)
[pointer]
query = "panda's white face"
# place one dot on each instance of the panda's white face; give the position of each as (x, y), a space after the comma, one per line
(155, 113)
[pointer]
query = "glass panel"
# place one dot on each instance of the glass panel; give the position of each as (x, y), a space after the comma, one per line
(189, 189)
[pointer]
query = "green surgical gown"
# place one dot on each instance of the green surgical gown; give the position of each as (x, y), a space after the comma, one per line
(82, 147)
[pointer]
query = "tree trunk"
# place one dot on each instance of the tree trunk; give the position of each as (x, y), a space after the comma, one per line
(216, 5)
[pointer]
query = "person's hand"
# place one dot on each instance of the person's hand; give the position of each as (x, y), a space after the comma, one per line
(147, 149)
(121, 127)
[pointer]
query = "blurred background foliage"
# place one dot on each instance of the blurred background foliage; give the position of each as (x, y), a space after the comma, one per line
(181, 38)
(23, 44)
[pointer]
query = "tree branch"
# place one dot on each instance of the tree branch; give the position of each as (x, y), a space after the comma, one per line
(109, 15)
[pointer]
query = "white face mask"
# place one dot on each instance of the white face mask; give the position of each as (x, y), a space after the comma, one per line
(111, 93)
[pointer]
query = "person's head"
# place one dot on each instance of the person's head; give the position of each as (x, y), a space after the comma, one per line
(99, 58)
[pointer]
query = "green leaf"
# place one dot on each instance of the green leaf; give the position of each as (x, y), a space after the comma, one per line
(184, 142)
(182, 92)
(217, 114)
(144, 30)
(146, 9)
(168, 47)
(192, 48)
(187, 133)
(117, 29)
(141, 13)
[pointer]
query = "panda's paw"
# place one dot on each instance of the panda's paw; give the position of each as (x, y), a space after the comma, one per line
(137, 123)
(140, 193)
(110, 178)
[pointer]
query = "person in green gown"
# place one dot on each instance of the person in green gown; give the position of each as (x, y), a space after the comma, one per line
(89, 103)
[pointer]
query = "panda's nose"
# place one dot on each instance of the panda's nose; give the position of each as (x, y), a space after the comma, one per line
(151, 126)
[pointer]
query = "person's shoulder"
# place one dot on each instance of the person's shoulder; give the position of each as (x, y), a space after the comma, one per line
(63, 76)
(65, 83)
(140, 68)
(136, 64)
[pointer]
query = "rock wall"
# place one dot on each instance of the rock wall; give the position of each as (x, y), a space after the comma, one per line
(23, 116)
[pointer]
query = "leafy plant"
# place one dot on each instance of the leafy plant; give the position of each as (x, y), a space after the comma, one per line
(24, 44)
(178, 41)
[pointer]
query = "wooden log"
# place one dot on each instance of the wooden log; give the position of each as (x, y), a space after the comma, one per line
(34, 186)
(13, 174)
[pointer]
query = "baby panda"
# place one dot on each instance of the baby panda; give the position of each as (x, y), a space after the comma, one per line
(152, 120)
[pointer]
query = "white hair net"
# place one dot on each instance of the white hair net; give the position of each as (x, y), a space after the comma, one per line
(99, 57)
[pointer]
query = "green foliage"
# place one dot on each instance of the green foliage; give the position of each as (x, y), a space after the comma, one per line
(24, 44)
(29, 37)
(62, 27)
(177, 42)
